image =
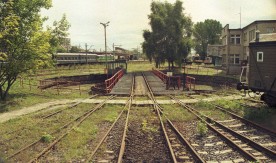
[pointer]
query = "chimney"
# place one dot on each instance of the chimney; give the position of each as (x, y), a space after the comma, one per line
(257, 35)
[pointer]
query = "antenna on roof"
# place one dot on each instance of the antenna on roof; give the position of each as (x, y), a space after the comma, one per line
(240, 17)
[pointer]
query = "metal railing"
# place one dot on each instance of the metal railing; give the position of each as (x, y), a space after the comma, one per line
(110, 83)
(190, 82)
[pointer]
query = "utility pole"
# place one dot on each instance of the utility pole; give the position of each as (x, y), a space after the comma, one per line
(86, 53)
(105, 25)
(240, 17)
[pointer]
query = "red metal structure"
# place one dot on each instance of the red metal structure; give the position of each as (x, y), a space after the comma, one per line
(168, 80)
(190, 81)
(110, 83)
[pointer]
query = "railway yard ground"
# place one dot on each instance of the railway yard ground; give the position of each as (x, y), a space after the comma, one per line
(138, 121)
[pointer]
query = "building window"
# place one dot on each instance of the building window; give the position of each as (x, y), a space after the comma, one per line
(260, 56)
(234, 59)
(252, 35)
(235, 39)
(270, 29)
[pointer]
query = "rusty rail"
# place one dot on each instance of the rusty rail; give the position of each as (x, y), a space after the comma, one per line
(198, 115)
(123, 144)
(81, 118)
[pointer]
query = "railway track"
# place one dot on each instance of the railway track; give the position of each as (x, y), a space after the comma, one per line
(179, 147)
(144, 139)
(237, 131)
(43, 117)
(111, 146)
(31, 150)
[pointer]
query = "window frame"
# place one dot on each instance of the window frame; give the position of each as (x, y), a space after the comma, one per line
(234, 39)
(258, 57)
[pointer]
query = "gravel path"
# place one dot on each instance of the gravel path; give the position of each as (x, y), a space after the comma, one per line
(38, 107)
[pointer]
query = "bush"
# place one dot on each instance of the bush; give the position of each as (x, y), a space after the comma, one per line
(202, 128)
(47, 138)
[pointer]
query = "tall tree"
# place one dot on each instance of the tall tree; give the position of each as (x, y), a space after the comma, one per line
(170, 35)
(207, 32)
(59, 33)
(23, 43)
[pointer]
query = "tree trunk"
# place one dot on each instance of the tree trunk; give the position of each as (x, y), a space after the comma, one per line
(4, 92)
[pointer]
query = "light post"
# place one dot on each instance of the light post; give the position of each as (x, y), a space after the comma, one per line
(105, 25)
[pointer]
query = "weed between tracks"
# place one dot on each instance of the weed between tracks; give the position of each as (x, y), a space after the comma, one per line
(177, 113)
(262, 115)
(79, 144)
(24, 130)
(19, 132)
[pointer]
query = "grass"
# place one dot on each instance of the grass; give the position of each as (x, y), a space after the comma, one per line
(177, 113)
(207, 109)
(23, 131)
(138, 66)
(262, 115)
(75, 146)
(20, 97)
(26, 129)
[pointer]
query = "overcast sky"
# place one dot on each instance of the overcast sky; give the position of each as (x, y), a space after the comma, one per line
(128, 18)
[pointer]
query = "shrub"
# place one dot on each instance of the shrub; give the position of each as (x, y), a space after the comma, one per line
(202, 128)
(47, 138)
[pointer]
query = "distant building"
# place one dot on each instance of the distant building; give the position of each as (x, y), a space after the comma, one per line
(235, 43)
(214, 51)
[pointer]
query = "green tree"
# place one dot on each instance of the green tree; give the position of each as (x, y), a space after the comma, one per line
(59, 41)
(207, 32)
(75, 49)
(170, 35)
(24, 45)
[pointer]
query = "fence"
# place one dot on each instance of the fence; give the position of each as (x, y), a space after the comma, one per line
(161, 75)
(57, 85)
(190, 81)
(168, 80)
(110, 83)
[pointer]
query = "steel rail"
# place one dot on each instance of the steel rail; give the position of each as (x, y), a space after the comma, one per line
(179, 135)
(123, 143)
(104, 137)
(68, 131)
(261, 148)
(184, 141)
(58, 130)
(161, 122)
(234, 145)
(246, 121)
(69, 107)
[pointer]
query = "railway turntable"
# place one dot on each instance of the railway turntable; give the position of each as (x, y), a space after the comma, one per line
(123, 86)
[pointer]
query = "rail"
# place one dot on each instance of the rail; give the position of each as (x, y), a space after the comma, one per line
(190, 81)
(110, 83)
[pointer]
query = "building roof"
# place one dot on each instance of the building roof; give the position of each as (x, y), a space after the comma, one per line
(267, 37)
(255, 22)
(260, 21)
